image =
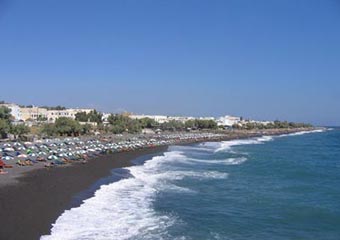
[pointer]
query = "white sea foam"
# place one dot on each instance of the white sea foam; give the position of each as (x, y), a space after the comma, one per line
(265, 138)
(228, 161)
(199, 148)
(124, 209)
(226, 145)
(302, 133)
(179, 175)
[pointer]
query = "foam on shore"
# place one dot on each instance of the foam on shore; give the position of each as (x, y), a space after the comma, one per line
(124, 209)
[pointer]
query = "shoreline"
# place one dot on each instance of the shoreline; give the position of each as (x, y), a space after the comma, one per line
(38, 197)
(16, 172)
(30, 207)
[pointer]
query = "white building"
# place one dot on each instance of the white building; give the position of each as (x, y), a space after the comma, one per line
(163, 118)
(181, 119)
(207, 118)
(53, 115)
(228, 121)
(15, 110)
(260, 122)
(105, 118)
(267, 122)
(33, 113)
(157, 118)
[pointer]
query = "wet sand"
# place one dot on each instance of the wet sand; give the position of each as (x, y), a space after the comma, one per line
(29, 207)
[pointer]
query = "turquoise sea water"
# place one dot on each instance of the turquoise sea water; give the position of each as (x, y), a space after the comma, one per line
(285, 187)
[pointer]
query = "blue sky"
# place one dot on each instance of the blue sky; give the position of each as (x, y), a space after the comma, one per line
(257, 59)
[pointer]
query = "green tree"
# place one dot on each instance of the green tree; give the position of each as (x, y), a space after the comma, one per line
(207, 124)
(190, 124)
(201, 124)
(82, 117)
(5, 113)
(54, 108)
(95, 116)
(173, 125)
(19, 130)
(49, 129)
(116, 129)
(121, 123)
(273, 125)
(67, 126)
(148, 123)
(4, 128)
(92, 116)
(41, 118)
(5, 123)
(58, 108)
(86, 128)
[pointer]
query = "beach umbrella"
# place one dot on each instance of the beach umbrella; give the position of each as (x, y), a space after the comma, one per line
(32, 157)
(11, 154)
(7, 158)
(52, 157)
(9, 149)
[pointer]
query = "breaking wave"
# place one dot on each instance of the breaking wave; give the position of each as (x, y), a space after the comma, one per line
(124, 209)
(226, 145)
(302, 133)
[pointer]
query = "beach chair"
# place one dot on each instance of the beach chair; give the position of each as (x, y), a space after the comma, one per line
(21, 163)
(2, 166)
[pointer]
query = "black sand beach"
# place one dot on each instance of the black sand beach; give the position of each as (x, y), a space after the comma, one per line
(28, 208)
(31, 203)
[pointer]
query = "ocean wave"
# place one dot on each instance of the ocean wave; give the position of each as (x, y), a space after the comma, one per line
(226, 145)
(124, 209)
(179, 175)
(228, 161)
(302, 133)
(117, 211)
(196, 148)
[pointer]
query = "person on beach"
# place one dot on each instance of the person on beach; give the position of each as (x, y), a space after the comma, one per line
(2, 166)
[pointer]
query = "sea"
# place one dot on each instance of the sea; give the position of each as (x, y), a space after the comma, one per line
(270, 187)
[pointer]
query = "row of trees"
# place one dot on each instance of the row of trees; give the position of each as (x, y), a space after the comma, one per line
(92, 116)
(46, 107)
(7, 127)
(201, 124)
(274, 125)
(65, 127)
(54, 108)
(120, 123)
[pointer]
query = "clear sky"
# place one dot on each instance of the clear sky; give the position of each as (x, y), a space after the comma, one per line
(252, 58)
